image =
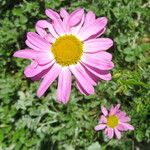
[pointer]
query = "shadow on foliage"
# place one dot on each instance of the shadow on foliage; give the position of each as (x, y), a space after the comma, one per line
(144, 146)
(66, 3)
(8, 6)
(47, 144)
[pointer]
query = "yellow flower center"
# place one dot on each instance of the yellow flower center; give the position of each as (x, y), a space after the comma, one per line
(67, 50)
(112, 121)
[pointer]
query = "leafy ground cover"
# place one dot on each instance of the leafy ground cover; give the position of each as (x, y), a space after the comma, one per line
(30, 123)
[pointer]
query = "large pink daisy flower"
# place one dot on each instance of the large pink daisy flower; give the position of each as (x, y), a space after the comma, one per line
(114, 121)
(68, 44)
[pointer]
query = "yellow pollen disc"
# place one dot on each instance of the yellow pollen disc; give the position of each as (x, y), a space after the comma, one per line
(67, 50)
(112, 121)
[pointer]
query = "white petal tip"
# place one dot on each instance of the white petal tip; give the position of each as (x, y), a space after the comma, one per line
(132, 128)
(15, 54)
(39, 95)
(96, 129)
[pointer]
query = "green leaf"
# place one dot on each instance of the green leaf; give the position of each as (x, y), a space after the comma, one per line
(130, 58)
(94, 146)
(1, 136)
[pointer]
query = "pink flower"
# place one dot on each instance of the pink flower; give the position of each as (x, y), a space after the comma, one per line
(114, 121)
(68, 44)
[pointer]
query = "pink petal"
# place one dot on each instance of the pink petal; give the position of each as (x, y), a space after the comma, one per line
(34, 47)
(94, 28)
(102, 55)
(81, 69)
(115, 110)
(100, 64)
(112, 110)
(49, 38)
(117, 106)
(89, 19)
(75, 17)
(118, 134)
(110, 133)
(96, 45)
(88, 78)
(41, 25)
(48, 79)
(34, 69)
(80, 77)
(94, 77)
(65, 15)
(100, 127)
(104, 110)
(40, 75)
(38, 41)
(58, 26)
(64, 86)
(52, 14)
(44, 58)
(102, 74)
(94, 81)
(121, 127)
(40, 57)
(97, 57)
(121, 114)
(26, 53)
(103, 119)
(97, 34)
(106, 131)
(124, 119)
(85, 91)
(76, 29)
(57, 22)
(79, 87)
(127, 126)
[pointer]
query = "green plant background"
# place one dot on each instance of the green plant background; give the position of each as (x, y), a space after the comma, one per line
(30, 123)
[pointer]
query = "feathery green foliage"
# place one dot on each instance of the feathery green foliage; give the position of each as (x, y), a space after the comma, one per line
(30, 123)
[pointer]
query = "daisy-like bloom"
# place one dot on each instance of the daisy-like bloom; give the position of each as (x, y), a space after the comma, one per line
(113, 121)
(67, 44)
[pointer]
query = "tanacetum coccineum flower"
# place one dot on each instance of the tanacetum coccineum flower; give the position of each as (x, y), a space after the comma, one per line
(68, 44)
(114, 121)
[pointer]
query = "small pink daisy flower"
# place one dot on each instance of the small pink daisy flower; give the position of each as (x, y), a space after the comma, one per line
(114, 121)
(67, 44)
